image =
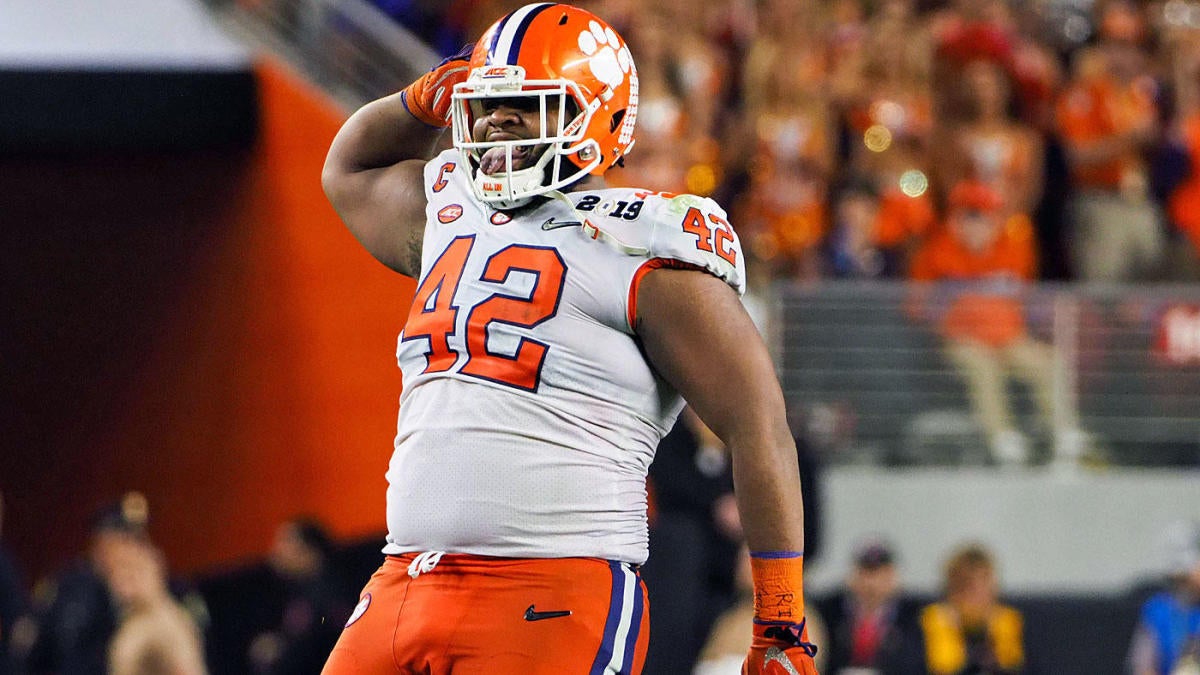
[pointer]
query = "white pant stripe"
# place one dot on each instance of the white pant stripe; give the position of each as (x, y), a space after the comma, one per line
(625, 624)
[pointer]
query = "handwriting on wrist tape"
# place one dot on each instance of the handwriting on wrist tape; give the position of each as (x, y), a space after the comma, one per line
(776, 602)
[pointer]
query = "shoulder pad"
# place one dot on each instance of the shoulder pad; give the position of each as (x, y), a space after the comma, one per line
(685, 228)
(695, 230)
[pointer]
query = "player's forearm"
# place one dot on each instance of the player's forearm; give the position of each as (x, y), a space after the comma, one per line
(767, 484)
(380, 134)
(767, 481)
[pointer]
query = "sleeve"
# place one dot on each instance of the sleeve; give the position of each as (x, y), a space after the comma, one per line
(689, 232)
(696, 231)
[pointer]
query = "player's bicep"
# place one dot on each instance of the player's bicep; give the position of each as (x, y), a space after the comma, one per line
(698, 336)
(385, 210)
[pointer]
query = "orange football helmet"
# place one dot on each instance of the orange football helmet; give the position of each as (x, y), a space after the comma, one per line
(560, 58)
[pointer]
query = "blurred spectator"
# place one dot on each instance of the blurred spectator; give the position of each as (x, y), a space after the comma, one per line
(888, 104)
(789, 126)
(1183, 197)
(79, 611)
(155, 635)
(1108, 118)
(852, 251)
(696, 69)
(845, 41)
(1167, 638)
(783, 217)
(695, 534)
(992, 147)
(1008, 36)
(970, 631)
(981, 264)
(667, 124)
(75, 614)
(967, 32)
(12, 599)
(886, 112)
(863, 242)
(310, 604)
(702, 73)
(875, 232)
(871, 626)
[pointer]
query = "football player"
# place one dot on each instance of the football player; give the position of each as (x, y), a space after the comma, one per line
(556, 324)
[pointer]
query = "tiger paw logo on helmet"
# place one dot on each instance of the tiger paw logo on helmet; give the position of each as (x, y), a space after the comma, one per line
(610, 60)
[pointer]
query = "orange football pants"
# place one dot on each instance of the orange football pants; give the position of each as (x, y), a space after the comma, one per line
(475, 614)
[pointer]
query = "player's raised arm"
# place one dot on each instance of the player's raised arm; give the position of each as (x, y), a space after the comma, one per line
(699, 337)
(373, 172)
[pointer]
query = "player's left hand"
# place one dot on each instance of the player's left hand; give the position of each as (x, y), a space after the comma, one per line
(780, 649)
(428, 99)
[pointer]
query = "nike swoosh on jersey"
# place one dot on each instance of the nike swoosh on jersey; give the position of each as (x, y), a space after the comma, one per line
(532, 615)
(552, 224)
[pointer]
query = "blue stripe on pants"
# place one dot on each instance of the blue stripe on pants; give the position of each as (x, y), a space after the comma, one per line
(635, 625)
(613, 622)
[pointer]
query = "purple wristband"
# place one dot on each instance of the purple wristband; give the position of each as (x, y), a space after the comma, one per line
(776, 555)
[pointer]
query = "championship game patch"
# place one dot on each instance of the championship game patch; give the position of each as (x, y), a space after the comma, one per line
(450, 213)
(359, 610)
(500, 218)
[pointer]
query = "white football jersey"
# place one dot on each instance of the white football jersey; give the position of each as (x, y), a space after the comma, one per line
(529, 414)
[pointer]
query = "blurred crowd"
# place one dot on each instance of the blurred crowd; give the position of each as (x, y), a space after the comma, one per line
(837, 132)
(116, 607)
